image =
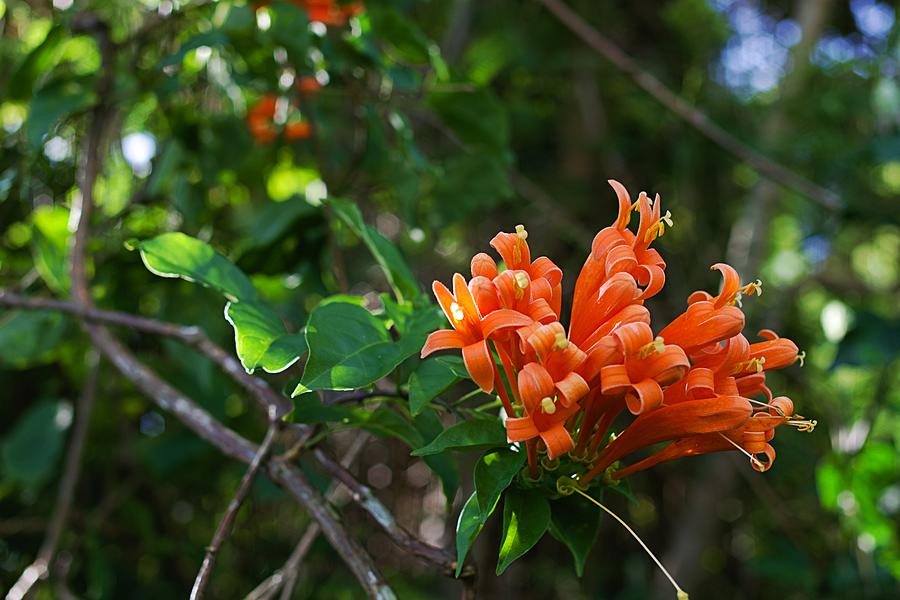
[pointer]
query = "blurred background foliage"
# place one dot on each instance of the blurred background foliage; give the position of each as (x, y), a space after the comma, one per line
(445, 122)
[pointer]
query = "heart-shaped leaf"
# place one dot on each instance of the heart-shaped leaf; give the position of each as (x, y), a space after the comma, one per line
(493, 473)
(576, 523)
(526, 516)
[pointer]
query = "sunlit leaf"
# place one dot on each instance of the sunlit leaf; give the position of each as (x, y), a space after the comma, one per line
(526, 516)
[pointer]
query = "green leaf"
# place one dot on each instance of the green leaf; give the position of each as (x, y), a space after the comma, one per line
(32, 449)
(493, 473)
(395, 268)
(29, 337)
(50, 246)
(469, 435)
(382, 421)
(53, 102)
(433, 377)
(526, 516)
(261, 340)
(178, 255)
(477, 117)
(350, 348)
(576, 523)
(38, 62)
(430, 426)
(387, 423)
(468, 526)
(275, 219)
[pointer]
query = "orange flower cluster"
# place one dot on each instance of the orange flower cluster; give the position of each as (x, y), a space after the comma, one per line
(694, 384)
(261, 116)
(328, 12)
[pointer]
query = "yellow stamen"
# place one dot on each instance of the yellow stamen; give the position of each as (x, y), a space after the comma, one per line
(521, 232)
(654, 347)
(548, 406)
(560, 343)
(802, 423)
(659, 228)
(754, 288)
(522, 280)
(754, 364)
(680, 594)
(801, 357)
(752, 458)
(457, 311)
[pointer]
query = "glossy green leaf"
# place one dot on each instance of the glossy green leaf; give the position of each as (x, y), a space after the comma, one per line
(50, 246)
(31, 450)
(388, 257)
(576, 523)
(526, 516)
(493, 473)
(468, 526)
(433, 377)
(261, 340)
(350, 348)
(178, 255)
(467, 435)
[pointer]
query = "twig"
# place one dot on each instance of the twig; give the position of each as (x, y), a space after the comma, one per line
(225, 525)
(364, 497)
(40, 568)
(680, 107)
(190, 335)
(286, 577)
(167, 397)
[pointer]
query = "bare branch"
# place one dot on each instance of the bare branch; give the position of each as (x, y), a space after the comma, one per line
(167, 397)
(682, 108)
(40, 568)
(364, 497)
(190, 335)
(224, 529)
(285, 578)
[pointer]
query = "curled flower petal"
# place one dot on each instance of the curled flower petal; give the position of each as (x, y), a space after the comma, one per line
(480, 364)
(571, 388)
(513, 249)
(485, 294)
(645, 396)
(442, 339)
(535, 384)
(520, 429)
(501, 319)
(624, 204)
(557, 440)
(484, 266)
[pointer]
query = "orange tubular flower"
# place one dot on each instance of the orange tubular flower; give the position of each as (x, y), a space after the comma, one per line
(543, 417)
(698, 385)
(708, 319)
(470, 330)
